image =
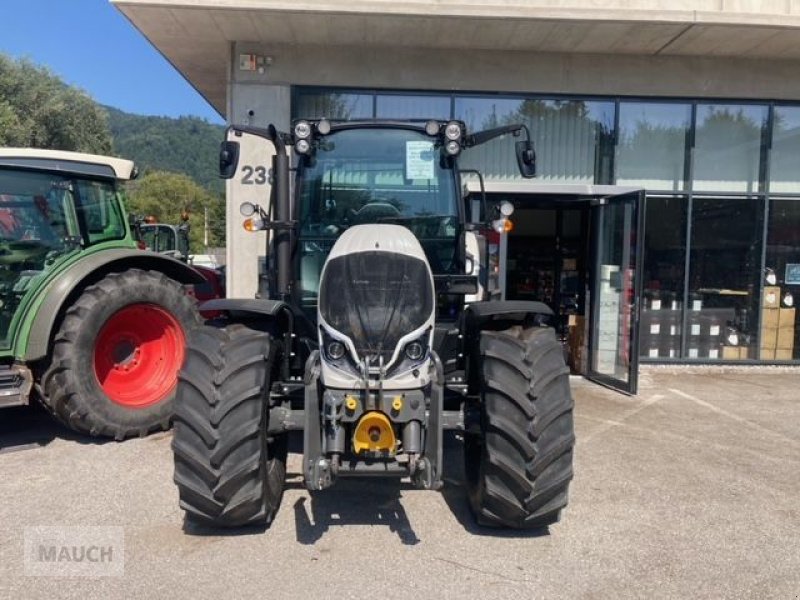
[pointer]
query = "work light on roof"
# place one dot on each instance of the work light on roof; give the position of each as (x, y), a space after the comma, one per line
(432, 128)
(324, 127)
(452, 148)
(302, 146)
(452, 131)
(302, 130)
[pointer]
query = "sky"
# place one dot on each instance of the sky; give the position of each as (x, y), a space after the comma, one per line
(90, 44)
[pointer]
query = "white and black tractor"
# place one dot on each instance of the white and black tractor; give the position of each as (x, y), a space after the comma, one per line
(372, 332)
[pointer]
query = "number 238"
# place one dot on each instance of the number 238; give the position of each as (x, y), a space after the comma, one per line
(254, 175)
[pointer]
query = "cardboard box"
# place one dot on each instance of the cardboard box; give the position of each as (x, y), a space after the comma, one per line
(785, 339)
(770, 318)
(784, 354)
(575, 342)
(769, 338)
(734, 352)
(786, 318)
(766, 354)
(771, 297)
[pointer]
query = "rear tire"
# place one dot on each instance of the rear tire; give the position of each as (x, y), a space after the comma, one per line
(115, 359)
(519, 466)
(227, 471)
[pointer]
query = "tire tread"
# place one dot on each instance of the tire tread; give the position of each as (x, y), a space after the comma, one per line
(527, 439)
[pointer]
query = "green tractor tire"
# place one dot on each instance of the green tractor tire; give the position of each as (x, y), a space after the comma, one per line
(113, 367)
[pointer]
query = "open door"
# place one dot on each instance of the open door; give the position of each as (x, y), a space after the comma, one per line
(614, 290)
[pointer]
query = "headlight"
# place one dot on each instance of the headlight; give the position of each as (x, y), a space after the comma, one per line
(452, 147)
(415, 351)
(335, 349)
(302, 130)
(452, 131)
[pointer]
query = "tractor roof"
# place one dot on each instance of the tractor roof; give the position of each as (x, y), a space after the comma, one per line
(68, 162)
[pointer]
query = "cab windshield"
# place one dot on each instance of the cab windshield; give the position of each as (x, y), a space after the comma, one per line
(360, 176)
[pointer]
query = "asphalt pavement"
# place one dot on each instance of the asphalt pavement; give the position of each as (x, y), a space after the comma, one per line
(689, 490)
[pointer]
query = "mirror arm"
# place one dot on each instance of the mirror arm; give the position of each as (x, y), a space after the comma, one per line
(486, 135)
(270, 134)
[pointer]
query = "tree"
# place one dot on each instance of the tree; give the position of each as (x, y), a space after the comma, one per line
(39, 110)
(166, 195)
(184, 145)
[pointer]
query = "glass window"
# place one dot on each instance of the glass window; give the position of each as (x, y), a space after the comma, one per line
(159, 238)
(663, 277)
(391, 176)
(98, 211)
(785, 156)
(783, 257)
(724, 277)
(728, 145)
(399, 106)
(333, 105)
(651, 146)
(569, 137)
(37, 229)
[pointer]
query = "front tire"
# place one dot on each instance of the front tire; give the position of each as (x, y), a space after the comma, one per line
(228, 472)
(114, 365)
(519, 466)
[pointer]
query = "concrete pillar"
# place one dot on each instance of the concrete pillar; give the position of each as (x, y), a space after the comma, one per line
(251, 101)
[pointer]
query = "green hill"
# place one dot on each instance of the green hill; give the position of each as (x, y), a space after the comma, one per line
(187, 145)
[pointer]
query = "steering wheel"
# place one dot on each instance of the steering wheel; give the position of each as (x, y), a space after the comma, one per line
(372, 211)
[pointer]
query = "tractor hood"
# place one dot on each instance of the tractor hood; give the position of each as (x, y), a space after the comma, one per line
(376, 293)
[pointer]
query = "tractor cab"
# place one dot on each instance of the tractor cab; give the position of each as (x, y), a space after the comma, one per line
(392, 176)
(51, 207)
(368, 172)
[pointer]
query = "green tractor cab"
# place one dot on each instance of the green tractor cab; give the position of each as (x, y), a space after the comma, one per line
(90, 325)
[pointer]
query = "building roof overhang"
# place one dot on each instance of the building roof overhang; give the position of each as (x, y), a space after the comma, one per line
(196, 36)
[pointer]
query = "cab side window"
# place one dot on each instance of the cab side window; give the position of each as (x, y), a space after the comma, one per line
(99, 212)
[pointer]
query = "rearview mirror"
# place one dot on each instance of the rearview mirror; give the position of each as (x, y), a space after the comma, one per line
(228, 159)
(526, 158)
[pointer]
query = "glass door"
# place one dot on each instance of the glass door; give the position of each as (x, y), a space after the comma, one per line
(615, 291)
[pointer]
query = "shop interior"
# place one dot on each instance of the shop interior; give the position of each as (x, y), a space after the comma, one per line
(574, 248)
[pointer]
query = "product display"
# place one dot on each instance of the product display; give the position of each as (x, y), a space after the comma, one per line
(777, 329)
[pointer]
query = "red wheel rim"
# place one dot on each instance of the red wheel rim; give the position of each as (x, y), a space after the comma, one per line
(137, 355)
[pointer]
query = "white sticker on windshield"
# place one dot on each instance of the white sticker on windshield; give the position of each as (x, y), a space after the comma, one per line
(419, 160)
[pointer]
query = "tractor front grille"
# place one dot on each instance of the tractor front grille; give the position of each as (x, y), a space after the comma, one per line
(15, 385)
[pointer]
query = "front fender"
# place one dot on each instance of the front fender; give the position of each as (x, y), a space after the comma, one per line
(481, 314)
(66, 287)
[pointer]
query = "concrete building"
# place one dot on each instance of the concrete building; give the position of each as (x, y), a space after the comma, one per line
(696, 102)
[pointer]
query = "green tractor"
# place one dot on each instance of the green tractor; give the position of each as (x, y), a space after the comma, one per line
(372, 333)
(91, 325)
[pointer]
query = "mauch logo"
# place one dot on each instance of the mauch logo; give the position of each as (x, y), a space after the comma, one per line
(75, 551)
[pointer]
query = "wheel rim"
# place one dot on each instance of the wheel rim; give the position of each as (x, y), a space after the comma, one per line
(137, 355)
